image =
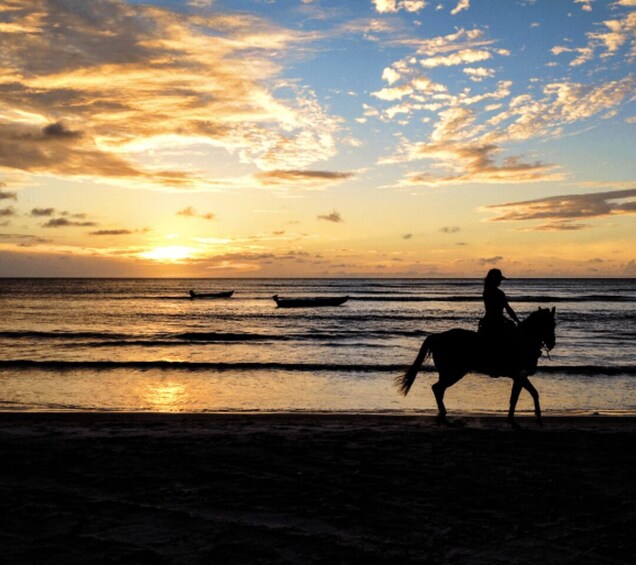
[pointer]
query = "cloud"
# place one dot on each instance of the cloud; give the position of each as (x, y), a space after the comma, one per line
(48, 212)
(7, 212)
(461, 40)
(558, 226)
(59, 130)
(112, 232)
(407, 236)
(156, 79)
(32, 149)
(24, 240)
(464, 141)
(586, 5)
(6, 195)
(563, 103)
(491, 260)
(301, 179)
(562, 210)
(190, 212)
(477, 74)
(476, 125)
(66, 223)
(392, 6)
(462, 57)
(476, 163)
(615, 34)
(42, 212)
(461, 5)
(416, 92)
(334, 217)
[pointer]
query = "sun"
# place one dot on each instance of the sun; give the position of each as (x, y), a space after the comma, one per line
(170, 253)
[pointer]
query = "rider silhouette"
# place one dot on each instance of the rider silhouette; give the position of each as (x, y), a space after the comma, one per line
(495, 302)
(499, 331)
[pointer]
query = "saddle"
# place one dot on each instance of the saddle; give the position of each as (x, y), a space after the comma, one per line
(500, 348)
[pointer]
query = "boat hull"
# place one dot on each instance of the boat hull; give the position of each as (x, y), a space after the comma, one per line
(197, 295)
(317, 302)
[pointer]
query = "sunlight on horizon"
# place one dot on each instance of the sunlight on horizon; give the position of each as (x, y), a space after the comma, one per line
(170, 253)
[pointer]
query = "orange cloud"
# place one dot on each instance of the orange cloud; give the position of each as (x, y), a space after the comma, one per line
(562, 210)
(190, 212)
(476, 163)
(334, 217)
(103, 81)
(301, 179)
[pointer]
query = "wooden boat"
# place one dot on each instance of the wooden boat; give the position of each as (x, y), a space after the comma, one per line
(226, 294)
(309, 302)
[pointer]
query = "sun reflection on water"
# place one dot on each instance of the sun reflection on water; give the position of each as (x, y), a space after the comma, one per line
(168, 396)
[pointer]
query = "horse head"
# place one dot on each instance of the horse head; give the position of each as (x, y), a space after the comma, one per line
(542, 324)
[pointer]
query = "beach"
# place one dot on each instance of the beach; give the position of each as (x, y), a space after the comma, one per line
(315, 488)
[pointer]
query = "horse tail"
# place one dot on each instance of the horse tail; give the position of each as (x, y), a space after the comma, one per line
(405, 381)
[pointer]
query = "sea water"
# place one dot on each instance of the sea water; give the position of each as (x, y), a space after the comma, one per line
(144, 345)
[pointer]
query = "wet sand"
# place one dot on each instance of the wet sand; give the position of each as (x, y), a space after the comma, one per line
(303, 488)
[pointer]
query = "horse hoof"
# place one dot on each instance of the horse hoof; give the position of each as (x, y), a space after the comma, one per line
(513, 424)
(442, 421)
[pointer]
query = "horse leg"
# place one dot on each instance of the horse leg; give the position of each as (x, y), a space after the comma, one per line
(438, 390)
(535, 396)
(514, 397)
(445, 381)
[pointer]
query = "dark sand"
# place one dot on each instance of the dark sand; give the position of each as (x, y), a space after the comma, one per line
(131, 488)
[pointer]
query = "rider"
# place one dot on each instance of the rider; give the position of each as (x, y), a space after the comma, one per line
(495, 301)
(499, 330)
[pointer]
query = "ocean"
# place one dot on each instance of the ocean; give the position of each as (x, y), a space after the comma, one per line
(144, 345)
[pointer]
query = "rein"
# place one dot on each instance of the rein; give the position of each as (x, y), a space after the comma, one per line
(547, 351)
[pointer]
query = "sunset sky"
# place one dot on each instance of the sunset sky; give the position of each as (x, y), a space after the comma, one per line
(255, 138)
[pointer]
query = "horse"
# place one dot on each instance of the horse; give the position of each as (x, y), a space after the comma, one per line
(458, 351)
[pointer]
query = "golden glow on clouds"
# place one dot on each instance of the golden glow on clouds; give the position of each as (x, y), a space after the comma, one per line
(131, 88)
(169, 254)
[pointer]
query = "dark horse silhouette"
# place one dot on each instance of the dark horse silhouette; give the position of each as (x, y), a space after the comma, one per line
(457, 352)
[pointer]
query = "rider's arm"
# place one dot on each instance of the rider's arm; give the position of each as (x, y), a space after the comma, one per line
(510, 311)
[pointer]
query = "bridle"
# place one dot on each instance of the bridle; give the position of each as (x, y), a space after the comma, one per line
(546, 349)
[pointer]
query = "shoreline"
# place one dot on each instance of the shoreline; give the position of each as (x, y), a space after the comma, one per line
(465, 415)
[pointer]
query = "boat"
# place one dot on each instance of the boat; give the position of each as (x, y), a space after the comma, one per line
(225, 294)
(309, 302)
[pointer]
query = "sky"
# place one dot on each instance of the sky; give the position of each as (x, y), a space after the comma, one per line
(317, 138)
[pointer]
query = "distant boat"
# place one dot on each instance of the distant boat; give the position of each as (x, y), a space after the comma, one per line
(309, 302)
(226, 294)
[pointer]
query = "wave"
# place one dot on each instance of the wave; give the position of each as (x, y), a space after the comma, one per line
(31, 334)
(475, 298)
(104, 339)
(576, 370)
(382, 296)
(152, 339)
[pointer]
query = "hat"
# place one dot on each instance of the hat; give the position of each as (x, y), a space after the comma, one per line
(496, 274)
